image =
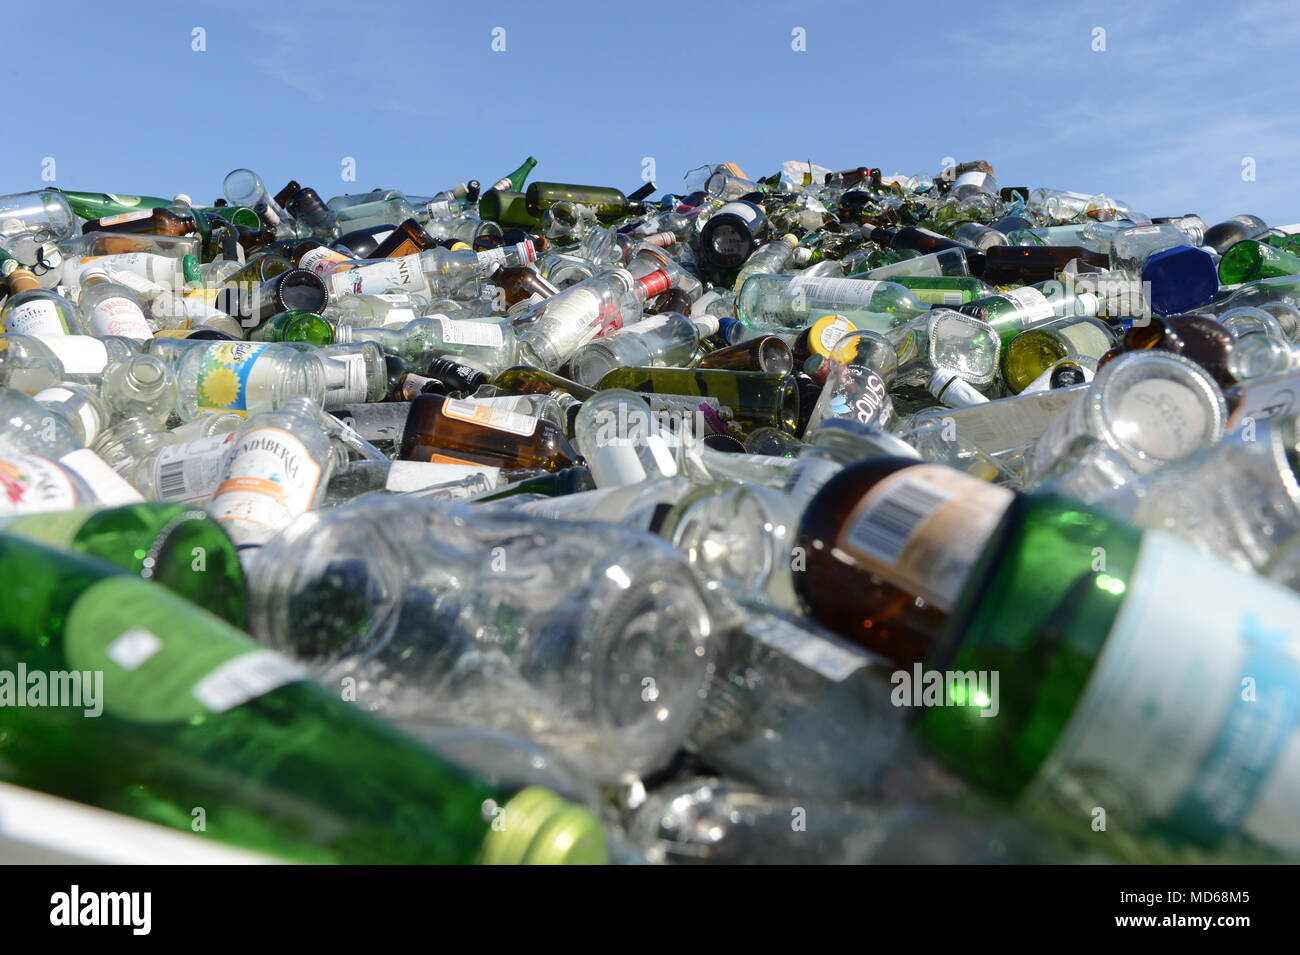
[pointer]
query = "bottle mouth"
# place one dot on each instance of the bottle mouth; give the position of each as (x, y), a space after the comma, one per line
(789, 405)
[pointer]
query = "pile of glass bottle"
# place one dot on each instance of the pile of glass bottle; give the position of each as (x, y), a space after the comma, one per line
(826, 517)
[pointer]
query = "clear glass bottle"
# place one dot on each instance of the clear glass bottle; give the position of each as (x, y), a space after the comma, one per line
(277, 469)
(31, 310)
(602, 642)
(245, 377)
(111, 308)
(666, 339)
(774, 303)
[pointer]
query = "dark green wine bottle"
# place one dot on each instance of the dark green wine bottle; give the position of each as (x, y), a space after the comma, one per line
(756, 399)
(610, 204)
(176, 716)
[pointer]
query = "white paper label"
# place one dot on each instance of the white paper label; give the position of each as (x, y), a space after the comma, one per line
(85, 411)
(80, 354)
(245, 678)
(403, 273)
(464, 332)
(271, 480)
(321, 260)
(1032, 304)
(973, 178)
(191, 472)
(345, 380)
(1178, 730)
(38, 318)
(828, 293)
(108, 485)
(116, 315)
(834, 331)
(813, 651)
(490, 417)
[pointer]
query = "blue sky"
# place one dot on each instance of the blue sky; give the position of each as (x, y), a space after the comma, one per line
(1163, 117)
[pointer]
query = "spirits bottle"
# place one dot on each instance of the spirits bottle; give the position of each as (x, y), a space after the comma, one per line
(437, 271)
(483, 343)
(454, 431)
(558, 327)
(180, 684)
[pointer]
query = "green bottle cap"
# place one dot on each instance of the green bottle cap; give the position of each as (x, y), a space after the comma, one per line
(537, 827)
(190, 268)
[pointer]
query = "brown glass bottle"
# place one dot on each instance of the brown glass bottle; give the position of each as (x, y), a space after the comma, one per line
(447, 430)
(1026, 265)
(145, 221)
(1199, 337)
(888, 545)
(674, 300)
(407, 239)
(521, 283)
(766, 353)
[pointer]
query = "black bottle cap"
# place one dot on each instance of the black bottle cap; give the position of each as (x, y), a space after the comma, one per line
(694, 198)
(472, 191)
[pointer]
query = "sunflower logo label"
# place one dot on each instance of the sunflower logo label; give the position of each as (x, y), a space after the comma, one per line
(223, 375)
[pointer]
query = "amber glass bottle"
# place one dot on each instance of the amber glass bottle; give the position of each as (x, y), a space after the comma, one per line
(448, 430)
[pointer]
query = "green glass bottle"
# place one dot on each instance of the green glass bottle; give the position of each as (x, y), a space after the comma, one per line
(526, 380)
(555, 484)
(196, 717)
(508, 208)
(181, 547)
(1032, 352)
(756, 399)
(610, 204)
(1127, 682)
(1031, 306)
(514, 182)
(96, 205)
(294, 326)
(1252, 260)
(950, 290)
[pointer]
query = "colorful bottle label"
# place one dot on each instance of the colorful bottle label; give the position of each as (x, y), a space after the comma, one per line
(163, 660)
(223, 375)
(117, 315)
(322, 260)
(271, 480)
(1192, 710)
(31, 484)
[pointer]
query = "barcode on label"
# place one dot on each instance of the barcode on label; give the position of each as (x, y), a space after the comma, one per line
(245, 678)
(171, 480)
(885, 525)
